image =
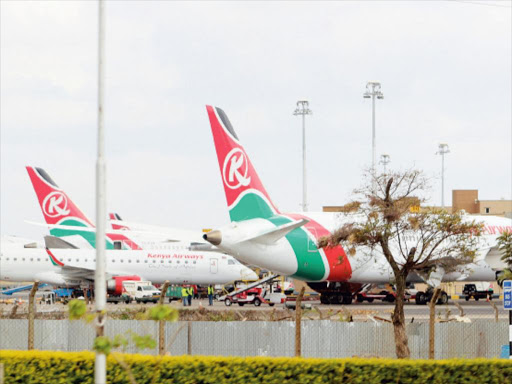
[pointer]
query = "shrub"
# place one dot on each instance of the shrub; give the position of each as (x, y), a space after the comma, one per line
(77, 367)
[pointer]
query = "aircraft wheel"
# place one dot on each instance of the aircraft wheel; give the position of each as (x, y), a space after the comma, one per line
(421, 298)
(359, 298)
(257, 302)
(241, 304)
(227, 303)
(271, 304)
(477, 298)
(443, 299)
(370, 300)
(324, 299)
(467, 298)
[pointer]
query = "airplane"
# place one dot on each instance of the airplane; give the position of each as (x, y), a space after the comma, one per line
(67, 221)
(71, 266)
(286, 243)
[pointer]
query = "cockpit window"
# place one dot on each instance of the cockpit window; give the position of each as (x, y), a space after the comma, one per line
(231, 262)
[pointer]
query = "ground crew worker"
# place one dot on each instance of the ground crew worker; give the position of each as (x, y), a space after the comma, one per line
(184, 295)
(190, 294)
(210, 294)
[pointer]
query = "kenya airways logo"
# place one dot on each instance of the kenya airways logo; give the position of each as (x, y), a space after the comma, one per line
(235, 169)
(55, 204)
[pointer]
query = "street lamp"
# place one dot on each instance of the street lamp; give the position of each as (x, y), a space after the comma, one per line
(385, 160)
(372, 92)
(303, 109)
(443, 150)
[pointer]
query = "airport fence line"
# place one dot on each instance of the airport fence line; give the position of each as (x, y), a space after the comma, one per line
(322, 338)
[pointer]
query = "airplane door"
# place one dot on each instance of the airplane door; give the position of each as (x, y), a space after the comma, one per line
(214, 266)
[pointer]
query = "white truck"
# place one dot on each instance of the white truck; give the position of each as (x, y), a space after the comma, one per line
(141, 291)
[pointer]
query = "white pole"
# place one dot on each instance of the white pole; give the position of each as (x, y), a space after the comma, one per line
(373, 134)
(100, 374)
(442, 180)
(304, 187)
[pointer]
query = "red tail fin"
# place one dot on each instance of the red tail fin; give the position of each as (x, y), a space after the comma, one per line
(245, 194)
(54, 202)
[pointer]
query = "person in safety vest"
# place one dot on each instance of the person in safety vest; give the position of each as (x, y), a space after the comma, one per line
(210, 294)
(190, 294)
(184, 295)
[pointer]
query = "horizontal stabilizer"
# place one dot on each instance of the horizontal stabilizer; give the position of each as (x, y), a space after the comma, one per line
(53, 242)
(274, 234)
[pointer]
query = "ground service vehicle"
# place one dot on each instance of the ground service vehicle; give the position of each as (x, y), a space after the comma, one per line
(255, 296)
(142, 291)
(478, 291)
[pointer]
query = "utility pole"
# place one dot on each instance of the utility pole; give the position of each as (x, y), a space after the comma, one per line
(303, 109)
(443, 150)
(372, 92)
(100, 366)
(385, 160)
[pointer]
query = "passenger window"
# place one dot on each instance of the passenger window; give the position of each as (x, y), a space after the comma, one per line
(38, 259)
(138, 261)
(145, 261)
(129, 261)
(154, 261)
(161, 261)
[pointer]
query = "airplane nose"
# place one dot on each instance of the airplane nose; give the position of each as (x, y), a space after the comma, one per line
(213, 237)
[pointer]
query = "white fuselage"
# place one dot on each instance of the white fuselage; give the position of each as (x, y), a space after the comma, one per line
(368, 266)
(178, 266)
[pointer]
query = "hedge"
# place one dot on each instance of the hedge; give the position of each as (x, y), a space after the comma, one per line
(77, 367)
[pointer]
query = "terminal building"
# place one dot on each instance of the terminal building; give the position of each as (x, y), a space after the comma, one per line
(467, 200)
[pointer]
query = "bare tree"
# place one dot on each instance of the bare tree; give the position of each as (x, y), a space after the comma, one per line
(386, 219)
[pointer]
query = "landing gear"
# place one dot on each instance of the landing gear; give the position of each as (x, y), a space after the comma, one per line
(335, 292)
(423, 298)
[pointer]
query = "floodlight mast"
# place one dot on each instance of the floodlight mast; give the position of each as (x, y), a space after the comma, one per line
(443, 150)
(100, 293)
(373, 91)
(303, 109)
(385, 160)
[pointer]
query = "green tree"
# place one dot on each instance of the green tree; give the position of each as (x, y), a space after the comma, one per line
(385, 219)
(505, 248)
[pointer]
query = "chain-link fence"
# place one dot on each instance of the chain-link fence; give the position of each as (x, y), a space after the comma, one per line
(321, 338)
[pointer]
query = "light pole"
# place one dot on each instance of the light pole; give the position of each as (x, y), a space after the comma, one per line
(100, 290)
(385, 160)
(303, 109)
(372, 91)
(443, 150)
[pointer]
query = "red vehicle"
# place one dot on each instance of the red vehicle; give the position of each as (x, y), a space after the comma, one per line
(255, 296)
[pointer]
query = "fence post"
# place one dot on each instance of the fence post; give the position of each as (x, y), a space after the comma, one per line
(298, 317)
(31, 315)
(189, 338)
(432, 323)
(161, 323)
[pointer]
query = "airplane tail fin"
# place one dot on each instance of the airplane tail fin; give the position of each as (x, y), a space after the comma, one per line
(245, 194)
(55, 204)
(114, 220)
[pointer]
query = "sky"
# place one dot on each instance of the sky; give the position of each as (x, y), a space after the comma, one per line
(444, 66)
